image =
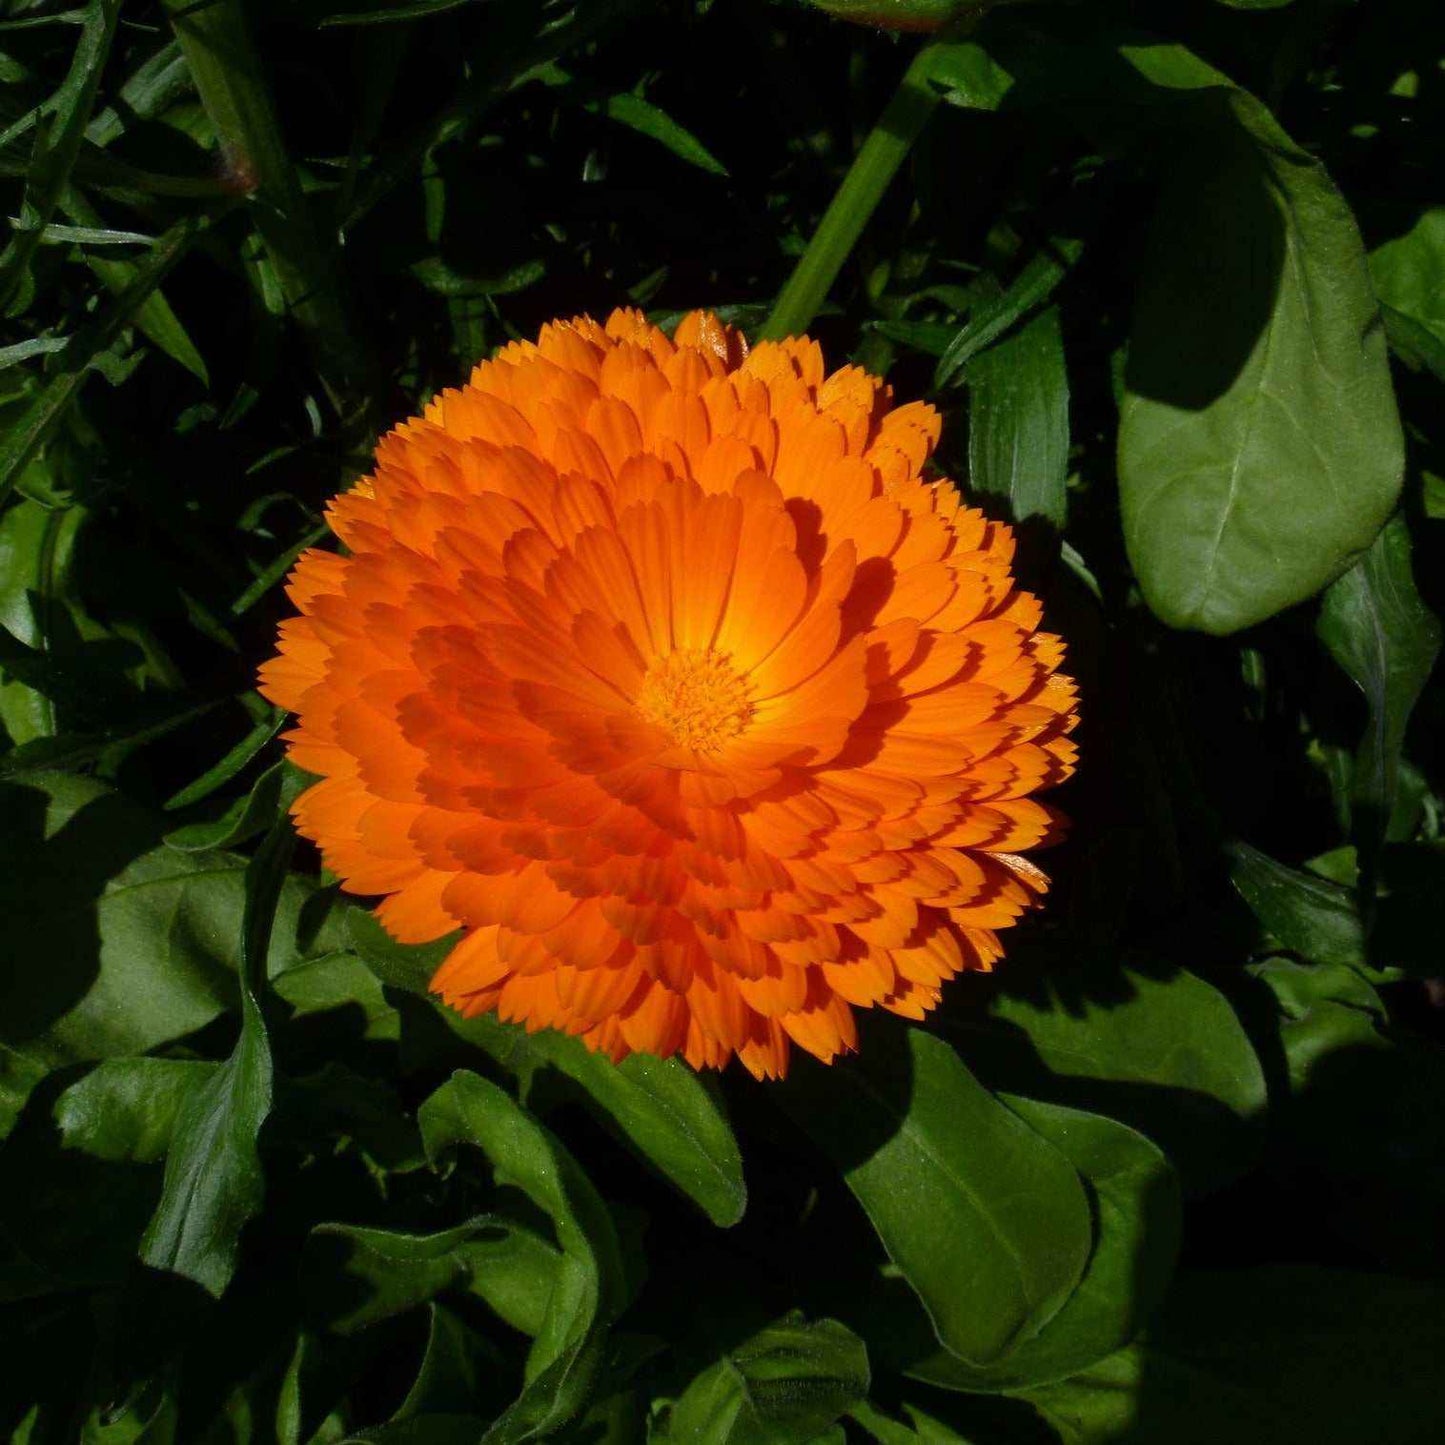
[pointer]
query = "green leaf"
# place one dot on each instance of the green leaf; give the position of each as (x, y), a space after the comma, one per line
(1018, 421)
(125, 1110)
(356, 1276)
(19, 1074)
(213, 1182)
(154, 316)
(235, 760)
(646, 119)
(660, 1107)
(922, 1428)
(392, 12)
(1382, 634)
(968, 75)
(783, 1386)
(1137, 1223)
(248, 815)
(590, 1285)
(1264, 1355)
(1409, 272)
(1322, 1010)
(1259, 446)
(26, 436)
(59, 131)
(1167, 1056)
(1309, 915)
(939, 1165)
(1033, 285)
(339, 981)
(457, 1371)
(142, 942)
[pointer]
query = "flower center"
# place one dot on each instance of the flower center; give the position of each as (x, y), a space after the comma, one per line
(697, 697)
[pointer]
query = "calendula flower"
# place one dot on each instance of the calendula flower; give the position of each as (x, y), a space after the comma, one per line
(656, 667)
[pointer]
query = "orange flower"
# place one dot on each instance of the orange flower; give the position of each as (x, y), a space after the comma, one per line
(657, 668)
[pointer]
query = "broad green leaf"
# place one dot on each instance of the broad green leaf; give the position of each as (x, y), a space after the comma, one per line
(1166, 1055)
(1264, 1355)
(646, 119)
(356, 1276)
(339, 981)
(939, 1166)
(968, 75)
(126, 1110)
(1419, 348)
(590, 1284)
(1309, 915)
(1323, 1009)
(1409, 272)
(1018, 421)
(58, 133)
(660, 1107)
(141, 943)
(213, 1182)
(1259, 447)
(991, 318)
(1379, 630)
(1137, 1222)
(784, 1385)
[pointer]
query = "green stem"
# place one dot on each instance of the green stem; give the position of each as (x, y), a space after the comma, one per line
(857, 198)
(216, 42)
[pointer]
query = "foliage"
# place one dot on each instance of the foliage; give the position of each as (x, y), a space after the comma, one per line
(1174, 275)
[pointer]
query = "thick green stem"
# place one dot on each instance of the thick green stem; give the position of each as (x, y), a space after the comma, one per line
(857, 198)
(223, 61)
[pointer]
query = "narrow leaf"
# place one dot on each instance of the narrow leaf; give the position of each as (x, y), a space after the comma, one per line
(646, 119)
(59, 131)
(1018, 421)
(1384, 636)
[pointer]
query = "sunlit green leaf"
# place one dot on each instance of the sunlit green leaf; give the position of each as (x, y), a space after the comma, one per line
(938, 1164)
(1166, 1055)
(126, 1109)
(1258, 459)
(660, 1106)
(590, 1283)
(1135, 1200)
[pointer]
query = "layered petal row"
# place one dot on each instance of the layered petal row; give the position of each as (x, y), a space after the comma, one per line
(656, 667)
